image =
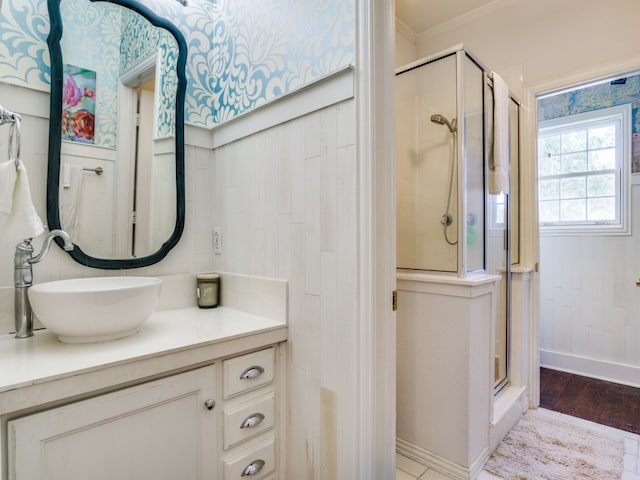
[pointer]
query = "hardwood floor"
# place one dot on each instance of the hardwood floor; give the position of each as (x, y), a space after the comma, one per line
(603, 402)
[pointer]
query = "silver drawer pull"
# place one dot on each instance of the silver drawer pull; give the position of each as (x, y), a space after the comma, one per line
(252, 420)
(209, 403)
(252, 372)
(253, 468)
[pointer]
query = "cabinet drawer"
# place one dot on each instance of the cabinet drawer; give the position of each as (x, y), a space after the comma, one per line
(254, 463)
(248, 420)
(247, 372)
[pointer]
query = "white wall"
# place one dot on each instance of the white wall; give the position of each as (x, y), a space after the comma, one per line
(534, 45)
(286, 201)
(405, 48)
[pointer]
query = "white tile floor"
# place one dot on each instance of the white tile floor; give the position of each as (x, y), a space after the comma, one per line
(407, 469)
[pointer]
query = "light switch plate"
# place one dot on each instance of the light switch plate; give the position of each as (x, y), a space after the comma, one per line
(217, 240)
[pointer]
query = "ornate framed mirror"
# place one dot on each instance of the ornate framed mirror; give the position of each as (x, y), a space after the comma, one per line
(115, 179)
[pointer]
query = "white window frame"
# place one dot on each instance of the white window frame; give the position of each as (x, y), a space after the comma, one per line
(621, 113)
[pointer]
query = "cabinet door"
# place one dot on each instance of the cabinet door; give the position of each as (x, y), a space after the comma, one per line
(159, 430)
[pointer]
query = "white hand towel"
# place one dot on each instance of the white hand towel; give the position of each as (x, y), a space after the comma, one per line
(499, 162)
(70, 192)
(8, 177)
(23, 221)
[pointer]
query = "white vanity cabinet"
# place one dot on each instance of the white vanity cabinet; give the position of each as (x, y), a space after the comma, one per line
(197, 395)
(191, 425)
(161, 430)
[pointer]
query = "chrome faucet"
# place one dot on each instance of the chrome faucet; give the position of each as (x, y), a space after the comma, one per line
(23, 276)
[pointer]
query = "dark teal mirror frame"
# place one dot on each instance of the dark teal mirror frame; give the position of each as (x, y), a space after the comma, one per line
(55, 126)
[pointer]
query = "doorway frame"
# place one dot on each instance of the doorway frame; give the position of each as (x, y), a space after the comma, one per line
(375, 157)
(531, 231)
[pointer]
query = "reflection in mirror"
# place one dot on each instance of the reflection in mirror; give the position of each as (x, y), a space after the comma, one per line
(116, 153)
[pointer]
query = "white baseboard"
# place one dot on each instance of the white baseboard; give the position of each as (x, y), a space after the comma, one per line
(589, 367)
(440, 464)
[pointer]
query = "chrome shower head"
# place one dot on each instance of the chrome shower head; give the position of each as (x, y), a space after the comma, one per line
(442, 120)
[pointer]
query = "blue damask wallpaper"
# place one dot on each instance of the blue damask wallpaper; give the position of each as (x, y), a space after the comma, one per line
(242, 53)
(141, 40)
(607, 94)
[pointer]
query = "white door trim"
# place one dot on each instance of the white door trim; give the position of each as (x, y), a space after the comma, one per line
(375, 120)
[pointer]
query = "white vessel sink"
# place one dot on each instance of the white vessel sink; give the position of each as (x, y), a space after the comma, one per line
(95, 309)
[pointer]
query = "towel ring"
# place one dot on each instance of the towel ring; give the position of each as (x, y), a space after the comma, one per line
(14, 138)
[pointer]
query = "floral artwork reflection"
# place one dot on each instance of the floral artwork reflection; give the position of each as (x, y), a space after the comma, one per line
(78, 104)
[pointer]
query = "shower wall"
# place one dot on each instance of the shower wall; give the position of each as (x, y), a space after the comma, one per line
(425, 151)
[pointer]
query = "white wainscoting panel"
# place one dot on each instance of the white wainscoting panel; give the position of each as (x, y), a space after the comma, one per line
(590, 304)
(285, 200)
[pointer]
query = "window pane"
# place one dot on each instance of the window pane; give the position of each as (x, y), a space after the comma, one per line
(602, 137)
(601, 209)
(602, 159)
(573, 188)
(574, 141)
(573, 210)
(550, 211)
(500, 214)
(549, 189)
(601, 185)
(574, 163)
(550, 165)
(549, 145)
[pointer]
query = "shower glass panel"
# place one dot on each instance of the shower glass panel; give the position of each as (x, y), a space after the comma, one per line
(426, 167)
(474, 151)
(441, 151)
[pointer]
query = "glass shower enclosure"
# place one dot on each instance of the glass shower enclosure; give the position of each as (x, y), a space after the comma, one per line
(449, 220)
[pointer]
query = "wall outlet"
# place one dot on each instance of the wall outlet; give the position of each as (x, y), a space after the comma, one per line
(217, 240)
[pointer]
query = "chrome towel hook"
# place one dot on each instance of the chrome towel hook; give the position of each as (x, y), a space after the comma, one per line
(14, 139)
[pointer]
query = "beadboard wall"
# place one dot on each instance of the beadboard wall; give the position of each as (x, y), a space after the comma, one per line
(285, 199)
(590, 304)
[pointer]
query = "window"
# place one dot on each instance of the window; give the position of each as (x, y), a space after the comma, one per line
(583, 162)
(497, 211)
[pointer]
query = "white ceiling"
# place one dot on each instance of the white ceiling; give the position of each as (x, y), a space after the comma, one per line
(422, 15)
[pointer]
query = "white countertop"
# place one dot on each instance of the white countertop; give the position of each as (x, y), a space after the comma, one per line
(42, 358)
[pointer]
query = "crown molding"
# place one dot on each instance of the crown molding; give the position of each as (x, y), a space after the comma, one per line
(404, 30)
(461, 20)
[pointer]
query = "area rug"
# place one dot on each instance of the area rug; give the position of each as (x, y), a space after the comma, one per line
(544, 447)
